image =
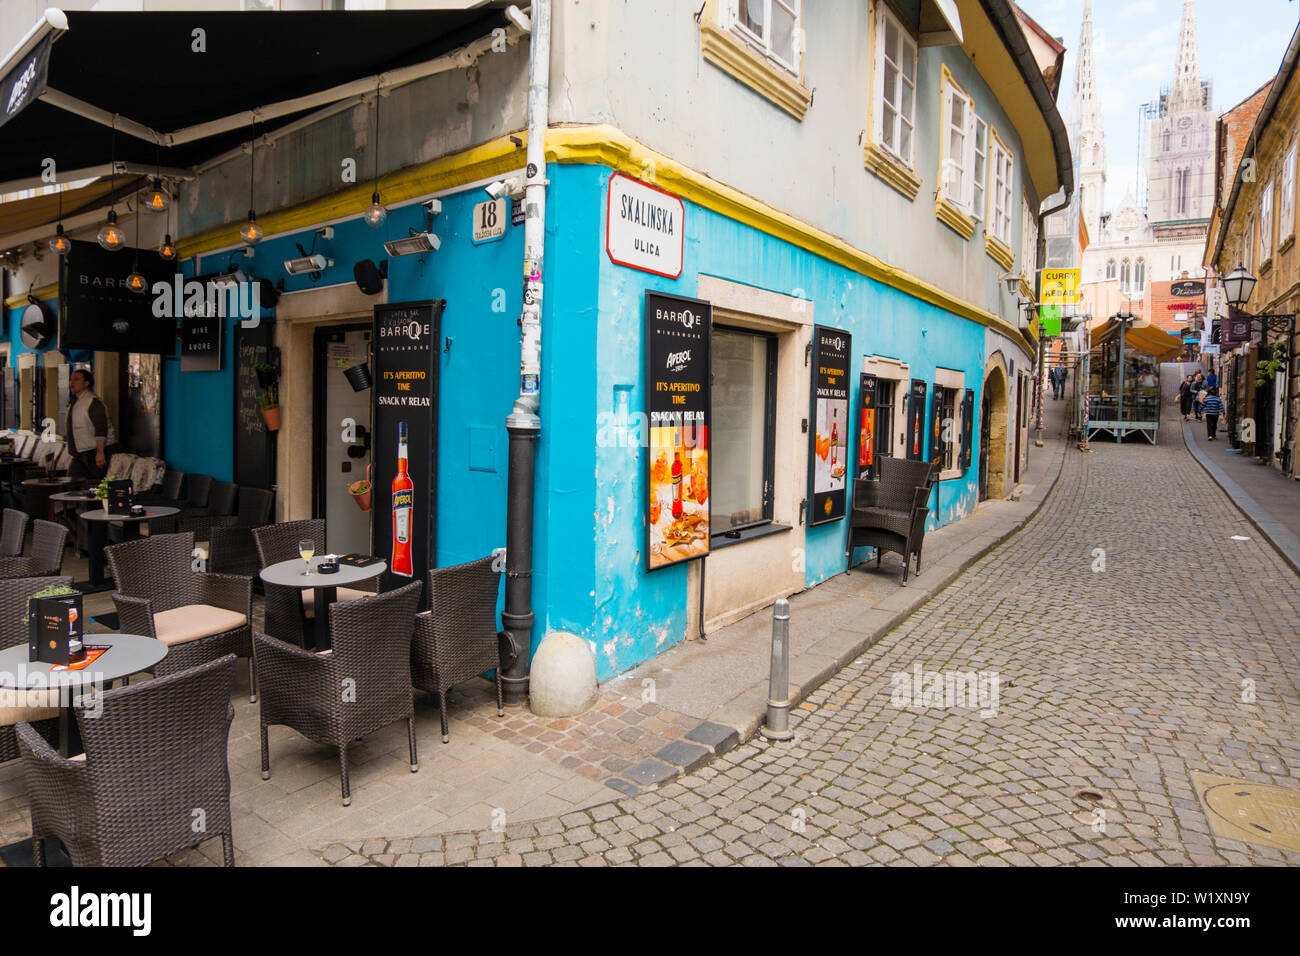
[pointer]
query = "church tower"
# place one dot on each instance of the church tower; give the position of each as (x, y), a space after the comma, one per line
(1180, 166)
(1088, 134)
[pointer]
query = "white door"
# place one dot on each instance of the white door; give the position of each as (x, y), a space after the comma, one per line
(343, 462)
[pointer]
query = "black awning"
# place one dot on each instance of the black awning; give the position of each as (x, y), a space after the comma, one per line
(147, 67)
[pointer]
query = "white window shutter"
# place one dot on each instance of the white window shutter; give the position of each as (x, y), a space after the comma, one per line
(968, 197)
(947, 169)
(878, 76)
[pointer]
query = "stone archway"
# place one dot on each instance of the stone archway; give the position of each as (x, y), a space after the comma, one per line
(995, 396)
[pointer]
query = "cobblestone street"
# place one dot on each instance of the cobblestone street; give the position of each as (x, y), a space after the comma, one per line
(1122, 681)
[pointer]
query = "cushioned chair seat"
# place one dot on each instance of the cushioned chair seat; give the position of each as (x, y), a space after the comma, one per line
(344, 594)
(28, 705)
(184, 624)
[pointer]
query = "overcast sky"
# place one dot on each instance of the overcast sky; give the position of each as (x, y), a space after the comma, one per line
(1134, 45)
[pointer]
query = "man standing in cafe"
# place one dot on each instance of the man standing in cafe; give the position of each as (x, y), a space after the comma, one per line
(91, 439)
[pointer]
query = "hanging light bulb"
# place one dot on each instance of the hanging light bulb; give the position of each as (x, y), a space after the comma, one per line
(251, 231)
(110, 235)
(60, 243)
(135, 281)
(376, 214)
(167, 250)
(155, 199)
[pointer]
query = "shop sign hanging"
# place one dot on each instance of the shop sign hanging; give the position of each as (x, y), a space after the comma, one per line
(828, 454)
(644, 227)
(201, 344)
(678, 333)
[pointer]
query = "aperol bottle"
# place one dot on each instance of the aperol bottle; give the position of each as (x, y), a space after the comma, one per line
(403, 510)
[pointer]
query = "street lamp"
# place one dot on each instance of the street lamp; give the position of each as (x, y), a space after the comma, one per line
(1238, 285)
(1124, 318)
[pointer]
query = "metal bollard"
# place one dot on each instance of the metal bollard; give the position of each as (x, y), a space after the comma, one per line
(777, 726)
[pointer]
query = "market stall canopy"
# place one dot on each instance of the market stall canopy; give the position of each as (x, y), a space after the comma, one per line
(1141, 336)
(176, 89)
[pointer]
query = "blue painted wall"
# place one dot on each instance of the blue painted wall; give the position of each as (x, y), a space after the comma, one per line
(593, 324)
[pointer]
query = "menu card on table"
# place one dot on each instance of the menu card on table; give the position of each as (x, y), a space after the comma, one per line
(52, 622)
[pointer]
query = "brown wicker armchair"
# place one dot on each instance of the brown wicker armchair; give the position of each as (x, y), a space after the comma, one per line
(200, 617)
(287, 609)
(155, 758)
(48, 541)
(15, 532)
(362, 684)
(38, 707)
(456, 639)
(889, 512)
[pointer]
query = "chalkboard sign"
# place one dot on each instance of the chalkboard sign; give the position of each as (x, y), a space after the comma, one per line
(405, 417)
(254, 444)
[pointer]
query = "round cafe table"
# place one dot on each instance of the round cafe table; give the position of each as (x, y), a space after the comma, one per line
(290, 574)
(127, 654)
(97, 520)
(39, 493)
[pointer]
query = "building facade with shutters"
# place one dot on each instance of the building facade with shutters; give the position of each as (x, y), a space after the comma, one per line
(846, 191)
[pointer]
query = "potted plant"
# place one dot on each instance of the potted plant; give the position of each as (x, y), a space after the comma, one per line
(101, 493)
(270, 403)
(1265, 370)
(360, 491)
(268, 373)
(357, 373)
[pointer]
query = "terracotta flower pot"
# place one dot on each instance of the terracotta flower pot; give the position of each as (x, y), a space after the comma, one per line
(361, 491)
(272, 418)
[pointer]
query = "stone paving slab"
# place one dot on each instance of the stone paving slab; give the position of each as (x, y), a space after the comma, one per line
(1117, 687)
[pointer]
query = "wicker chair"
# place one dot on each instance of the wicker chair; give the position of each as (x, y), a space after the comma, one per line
(35, 706)
(15, 532)
(288, 609)
(170, 492)
(889, 512)
(456, 639)
(200, 617)
(48, 541)
(231, 549)
(197, 496)
(371, 656)
(154, 755)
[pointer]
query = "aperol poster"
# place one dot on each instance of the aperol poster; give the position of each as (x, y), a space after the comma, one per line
(829, 464)
(678, 339)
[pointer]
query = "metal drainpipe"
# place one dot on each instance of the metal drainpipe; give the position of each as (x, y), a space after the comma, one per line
(524, 425)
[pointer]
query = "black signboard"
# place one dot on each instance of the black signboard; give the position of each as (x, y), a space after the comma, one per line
(936, 430)
(98, 312)
(254, 442)
(405, 419)
(829, 460)
(25, 82)
(915, 413)
(679, 337)
(967, 423)
(201, 344)
(1187, 288)
(867, 450)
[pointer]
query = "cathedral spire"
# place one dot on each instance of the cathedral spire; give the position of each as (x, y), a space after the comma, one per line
(1084, 98)
(1185, 94)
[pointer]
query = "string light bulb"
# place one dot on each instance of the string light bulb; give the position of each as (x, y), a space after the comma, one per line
(110, 234)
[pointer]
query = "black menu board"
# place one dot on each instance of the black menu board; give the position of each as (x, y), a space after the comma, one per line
(254, 444)
(405, 394)
(679, 335)
(119, 497)
(51, 622)
(828, 461)
(915, 413)
(867, 427)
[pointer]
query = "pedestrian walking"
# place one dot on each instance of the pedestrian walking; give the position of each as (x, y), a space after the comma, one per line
(1213, 408)
(1211, 380)
(1186, 394)
(91, 439)
(1198, 394)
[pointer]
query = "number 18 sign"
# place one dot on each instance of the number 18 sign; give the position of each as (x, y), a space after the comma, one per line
(490, 220)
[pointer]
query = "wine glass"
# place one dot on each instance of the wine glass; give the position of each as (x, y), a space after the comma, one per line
(306, 548)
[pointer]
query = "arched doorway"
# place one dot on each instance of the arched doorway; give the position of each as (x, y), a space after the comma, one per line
(993, 430)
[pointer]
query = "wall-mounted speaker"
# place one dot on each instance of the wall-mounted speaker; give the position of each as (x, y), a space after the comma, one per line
(370, 277)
